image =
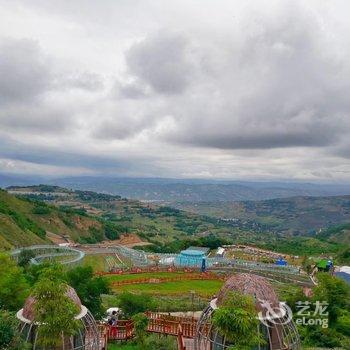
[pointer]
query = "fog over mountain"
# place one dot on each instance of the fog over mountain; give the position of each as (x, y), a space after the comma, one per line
(252, 90)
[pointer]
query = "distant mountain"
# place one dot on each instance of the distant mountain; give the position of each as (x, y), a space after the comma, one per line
(183, 190)
(18, 180)
(295, 215)
(175, 190)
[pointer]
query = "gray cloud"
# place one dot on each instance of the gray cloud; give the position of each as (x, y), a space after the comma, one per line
(255, 90)
(134, 90)
(55, 156)
(24, 71)
(35, 118)
(79, 80)
(32, 90)
(279, 86)
(162, 61)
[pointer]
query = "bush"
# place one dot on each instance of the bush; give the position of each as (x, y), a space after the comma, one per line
(113, 231)
(140, 326)
(96, 235)
(13, 286)
(41, 209)
(24, 257)
(237, 321)
(132, 304)
(89, 288)
(9, 335)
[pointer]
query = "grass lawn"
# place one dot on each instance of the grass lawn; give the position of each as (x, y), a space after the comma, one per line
(166, 303)
(202, 288)
(136, 276)
(96, 261)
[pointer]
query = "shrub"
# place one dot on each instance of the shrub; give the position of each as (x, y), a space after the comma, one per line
(132, 304)
(140, 326)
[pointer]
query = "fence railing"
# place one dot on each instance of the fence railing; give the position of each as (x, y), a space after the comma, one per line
(124, 330)
(168, 324)
(155, 280)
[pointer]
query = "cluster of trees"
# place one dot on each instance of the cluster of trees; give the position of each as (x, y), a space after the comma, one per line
(336, 294)
(108, 230)
(90, 196)
(54, 310)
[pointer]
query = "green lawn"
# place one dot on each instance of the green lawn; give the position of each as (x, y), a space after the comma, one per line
(202, 288)
(96, 261)
(136, 276)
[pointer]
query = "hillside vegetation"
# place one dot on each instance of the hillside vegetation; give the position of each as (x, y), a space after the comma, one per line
(304, 216)
(24, 222)
(89, 217)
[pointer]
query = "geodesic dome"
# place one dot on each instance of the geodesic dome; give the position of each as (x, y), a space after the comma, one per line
(87, 337)
(276, 324)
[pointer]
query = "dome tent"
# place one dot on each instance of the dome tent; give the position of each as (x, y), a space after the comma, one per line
(275, 326)
(87, 337)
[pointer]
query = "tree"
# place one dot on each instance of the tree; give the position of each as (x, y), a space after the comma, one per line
(140, 326)
(237, 320)
(34, 272)
(54, 310)
(13, 286)
(88, 288)
(132, 304)
(335, 292)
(24, 257)
(9, 335)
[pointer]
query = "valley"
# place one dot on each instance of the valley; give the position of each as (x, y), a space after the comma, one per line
(292, 225)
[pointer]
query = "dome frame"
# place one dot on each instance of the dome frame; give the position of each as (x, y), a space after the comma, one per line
(86, 338)
(277, 327)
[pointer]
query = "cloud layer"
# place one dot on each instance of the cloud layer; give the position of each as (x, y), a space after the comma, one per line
(225, 90)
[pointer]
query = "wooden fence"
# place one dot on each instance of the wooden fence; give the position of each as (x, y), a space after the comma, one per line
(169, 325)
(124, 330)
(180, 339)
(179, 326)
(183, 277)
(137, 270)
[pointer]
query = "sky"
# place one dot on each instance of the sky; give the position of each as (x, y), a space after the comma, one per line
(246, 90)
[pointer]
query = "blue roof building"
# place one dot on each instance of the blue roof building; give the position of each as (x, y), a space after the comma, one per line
(281, 262)
(190, 258)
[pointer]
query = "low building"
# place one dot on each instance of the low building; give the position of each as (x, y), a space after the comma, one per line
(220, 252)
(191, 258)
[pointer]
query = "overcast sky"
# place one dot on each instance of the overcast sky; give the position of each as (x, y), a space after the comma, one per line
(254, 90)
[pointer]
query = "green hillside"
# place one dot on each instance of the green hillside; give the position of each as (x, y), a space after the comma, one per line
(153, 223)
(26, 213)
(24, 222)
(339, 234)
